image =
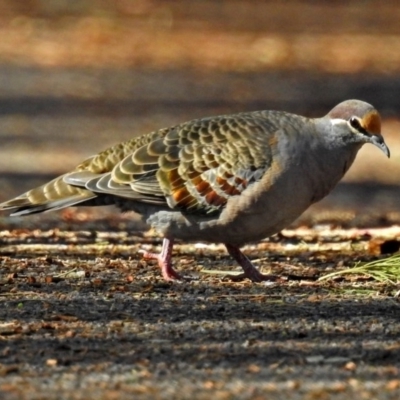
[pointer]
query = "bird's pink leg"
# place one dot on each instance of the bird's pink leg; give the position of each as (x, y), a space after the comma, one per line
(164, 260)
(249, 270)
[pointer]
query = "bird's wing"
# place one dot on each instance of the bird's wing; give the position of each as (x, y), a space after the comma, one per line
(196, 166)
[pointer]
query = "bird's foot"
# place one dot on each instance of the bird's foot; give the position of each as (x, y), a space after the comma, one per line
(168, 272)
(249, 270)
(164, 260)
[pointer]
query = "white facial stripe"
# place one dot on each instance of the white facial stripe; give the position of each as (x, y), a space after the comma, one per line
(337, 121)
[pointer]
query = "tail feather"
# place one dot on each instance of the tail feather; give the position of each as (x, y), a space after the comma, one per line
(53, 195)
(70, 189)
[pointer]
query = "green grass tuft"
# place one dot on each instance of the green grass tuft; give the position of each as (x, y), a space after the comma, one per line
(383, 270)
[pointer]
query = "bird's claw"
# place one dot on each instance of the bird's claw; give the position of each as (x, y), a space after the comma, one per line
(168, 272)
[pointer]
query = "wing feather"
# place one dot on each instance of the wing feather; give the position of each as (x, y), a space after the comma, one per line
(195, 167)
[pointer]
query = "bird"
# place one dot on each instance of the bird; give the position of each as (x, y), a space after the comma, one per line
(231, 179)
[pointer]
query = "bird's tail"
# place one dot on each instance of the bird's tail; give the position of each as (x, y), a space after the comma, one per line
(53, 195)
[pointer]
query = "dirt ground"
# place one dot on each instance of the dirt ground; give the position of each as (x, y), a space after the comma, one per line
(82, 316)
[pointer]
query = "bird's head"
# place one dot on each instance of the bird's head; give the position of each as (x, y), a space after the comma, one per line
(361, 120)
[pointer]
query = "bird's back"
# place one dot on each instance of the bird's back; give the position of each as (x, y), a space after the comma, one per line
(196, 166)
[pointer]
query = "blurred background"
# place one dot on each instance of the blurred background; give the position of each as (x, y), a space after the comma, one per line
(77, 77)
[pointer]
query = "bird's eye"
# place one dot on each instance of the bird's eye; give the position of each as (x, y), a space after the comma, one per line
(355, 123)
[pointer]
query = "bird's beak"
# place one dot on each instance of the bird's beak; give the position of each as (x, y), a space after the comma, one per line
(380, 143)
